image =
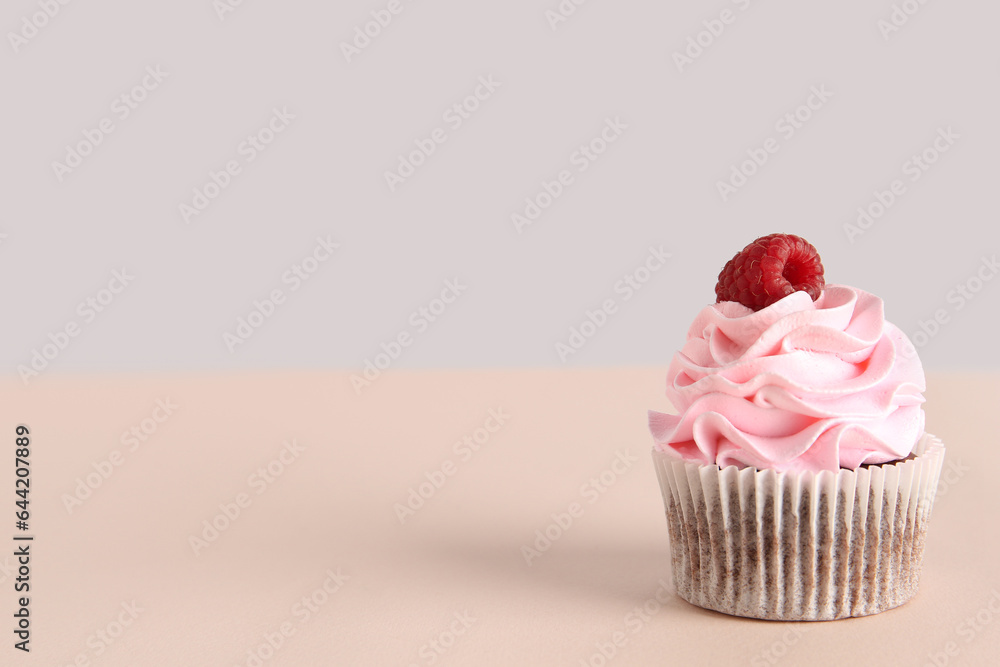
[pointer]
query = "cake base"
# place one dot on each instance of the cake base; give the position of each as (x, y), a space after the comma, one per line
(799, 546)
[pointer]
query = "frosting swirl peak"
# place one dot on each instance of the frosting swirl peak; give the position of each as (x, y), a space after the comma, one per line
(798, 385)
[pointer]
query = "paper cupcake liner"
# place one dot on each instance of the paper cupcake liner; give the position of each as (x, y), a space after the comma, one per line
(799, 546)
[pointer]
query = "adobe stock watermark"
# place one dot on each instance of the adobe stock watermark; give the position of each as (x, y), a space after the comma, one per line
(624, 289)
(634, 622)
(454, 118)
(230, 511)
(87, 310)
(7, 569)
(951, 475)
(465, 449)
(301, 612)
(590, 491)
(131, 439)
(365, 33)
(105, 636)
(32, 24)
(420, 320)
(121, 108)
(562, 12)
(787, 126)
(913, 169)
(957, 298)
(223, 8)
(441, 643)
(294, 277)
(585, 155)
(899, 16)
(968, 629)
(712, 29)
(780, 647)
(247, 151)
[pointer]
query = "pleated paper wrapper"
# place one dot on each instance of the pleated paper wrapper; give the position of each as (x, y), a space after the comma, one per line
(799, 545)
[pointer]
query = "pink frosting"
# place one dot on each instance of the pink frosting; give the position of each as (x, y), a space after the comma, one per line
(799, 385)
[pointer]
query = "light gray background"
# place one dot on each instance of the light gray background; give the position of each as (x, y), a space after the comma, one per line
(656, 185)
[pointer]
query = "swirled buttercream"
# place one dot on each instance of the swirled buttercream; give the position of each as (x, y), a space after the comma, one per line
(798, 385)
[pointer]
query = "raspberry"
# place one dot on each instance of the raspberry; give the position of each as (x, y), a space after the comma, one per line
(769, 269)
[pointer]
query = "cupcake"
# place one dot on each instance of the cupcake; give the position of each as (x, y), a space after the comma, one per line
(797, 477)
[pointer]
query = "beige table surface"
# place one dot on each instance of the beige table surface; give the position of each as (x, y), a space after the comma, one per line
(116, 580)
